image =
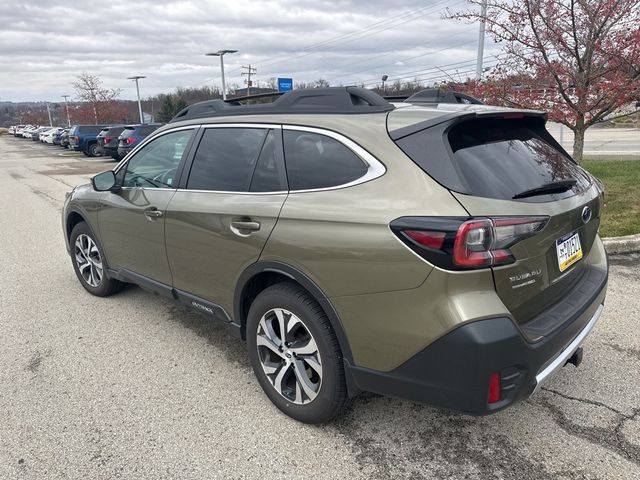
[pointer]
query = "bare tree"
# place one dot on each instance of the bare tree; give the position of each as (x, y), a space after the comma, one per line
(89, 89)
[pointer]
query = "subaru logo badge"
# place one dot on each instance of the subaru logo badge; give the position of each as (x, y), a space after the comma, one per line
(586, 214)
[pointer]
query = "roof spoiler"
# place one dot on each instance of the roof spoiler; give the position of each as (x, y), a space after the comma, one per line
(457, 117)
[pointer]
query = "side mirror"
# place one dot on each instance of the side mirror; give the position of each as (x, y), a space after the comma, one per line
(104, 182)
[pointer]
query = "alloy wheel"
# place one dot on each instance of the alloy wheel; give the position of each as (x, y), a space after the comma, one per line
(88, 260)
(289, 356)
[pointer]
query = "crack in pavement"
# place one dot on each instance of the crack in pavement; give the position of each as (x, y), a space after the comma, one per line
(632, 352)
(583, 400)
(612, 440)
(439, 445)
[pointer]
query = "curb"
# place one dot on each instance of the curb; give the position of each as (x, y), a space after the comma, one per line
(626, 244)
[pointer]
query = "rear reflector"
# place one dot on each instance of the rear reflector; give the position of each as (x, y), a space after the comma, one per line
(494, 388)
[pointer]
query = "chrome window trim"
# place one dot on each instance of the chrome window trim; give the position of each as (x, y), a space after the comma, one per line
(269, 126)
(375, 168)
(279, 192)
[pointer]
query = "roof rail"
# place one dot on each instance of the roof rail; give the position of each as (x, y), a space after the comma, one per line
(437, 95)
(255, 96)
(331, 100)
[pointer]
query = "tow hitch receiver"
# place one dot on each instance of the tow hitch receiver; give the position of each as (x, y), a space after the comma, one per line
(576, 358)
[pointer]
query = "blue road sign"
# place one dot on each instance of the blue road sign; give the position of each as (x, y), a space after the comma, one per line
(285, 84)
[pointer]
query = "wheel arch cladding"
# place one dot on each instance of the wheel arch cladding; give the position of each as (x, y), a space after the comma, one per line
(261, 275)
(73, 219)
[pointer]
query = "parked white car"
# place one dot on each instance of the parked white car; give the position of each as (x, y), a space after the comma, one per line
(47, 137)
(28, 131)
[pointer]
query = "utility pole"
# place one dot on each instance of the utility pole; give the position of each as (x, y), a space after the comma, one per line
(483, 14)
(221, 53)
(49, 113)
(135, 79)
(66, 106)
(250, 71)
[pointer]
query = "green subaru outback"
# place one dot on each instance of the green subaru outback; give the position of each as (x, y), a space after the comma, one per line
(444, 253)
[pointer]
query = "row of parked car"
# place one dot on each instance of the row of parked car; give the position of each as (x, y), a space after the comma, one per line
(93, 140)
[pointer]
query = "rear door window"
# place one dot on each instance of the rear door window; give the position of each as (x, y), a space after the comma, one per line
(493, 158)
(318, 161)
(227, 158)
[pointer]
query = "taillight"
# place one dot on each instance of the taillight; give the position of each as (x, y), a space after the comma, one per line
(456, 243)
(130, 140)
(107, 139)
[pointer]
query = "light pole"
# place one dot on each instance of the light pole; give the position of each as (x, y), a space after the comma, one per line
(66, 106)
(483, 15)
(135, 79)
(49, 113)
(221, 54)
(385, 77)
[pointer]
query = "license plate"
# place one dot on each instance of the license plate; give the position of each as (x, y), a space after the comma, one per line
(569, 250)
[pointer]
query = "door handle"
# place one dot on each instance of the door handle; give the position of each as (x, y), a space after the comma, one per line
(246, 225)
(152, 213)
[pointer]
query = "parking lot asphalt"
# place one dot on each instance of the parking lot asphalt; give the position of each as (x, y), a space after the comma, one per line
(135, 387)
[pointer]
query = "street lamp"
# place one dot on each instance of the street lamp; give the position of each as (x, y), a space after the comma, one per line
(221, 53)
(66, 106)
(135, 79)
(385, 77)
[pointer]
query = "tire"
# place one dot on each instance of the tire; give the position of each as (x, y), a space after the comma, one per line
(92, 150)
(310, 355)
(96, 281)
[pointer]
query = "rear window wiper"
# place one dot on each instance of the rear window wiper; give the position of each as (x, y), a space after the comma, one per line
(558, 186)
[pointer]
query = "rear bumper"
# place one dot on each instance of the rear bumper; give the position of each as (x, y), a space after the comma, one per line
(454, 371)
(122, 152)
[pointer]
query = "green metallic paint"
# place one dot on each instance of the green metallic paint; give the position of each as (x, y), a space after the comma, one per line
(129, 238)
(206, 256)
(390, 302)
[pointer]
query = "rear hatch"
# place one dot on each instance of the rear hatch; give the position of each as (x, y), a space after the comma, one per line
(100, 140)
(507, 169)
(126, 138)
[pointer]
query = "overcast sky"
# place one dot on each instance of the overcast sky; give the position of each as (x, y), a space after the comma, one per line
(44, 44)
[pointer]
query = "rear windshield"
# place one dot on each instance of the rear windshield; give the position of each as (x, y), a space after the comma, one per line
(127, 132)
(89, 128)
(493, 158)
(147, 129)
(114, 131)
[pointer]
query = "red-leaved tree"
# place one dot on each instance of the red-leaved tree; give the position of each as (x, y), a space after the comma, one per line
(577, 59)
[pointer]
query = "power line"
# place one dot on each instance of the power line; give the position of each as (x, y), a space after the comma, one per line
(433, 52)
(369, 30)
(359, 34)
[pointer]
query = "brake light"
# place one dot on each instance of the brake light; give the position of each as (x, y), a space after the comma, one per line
(129, 140)
(457, 243)
(494, 388)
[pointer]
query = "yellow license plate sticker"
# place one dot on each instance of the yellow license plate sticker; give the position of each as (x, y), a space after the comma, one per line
(569, 250)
